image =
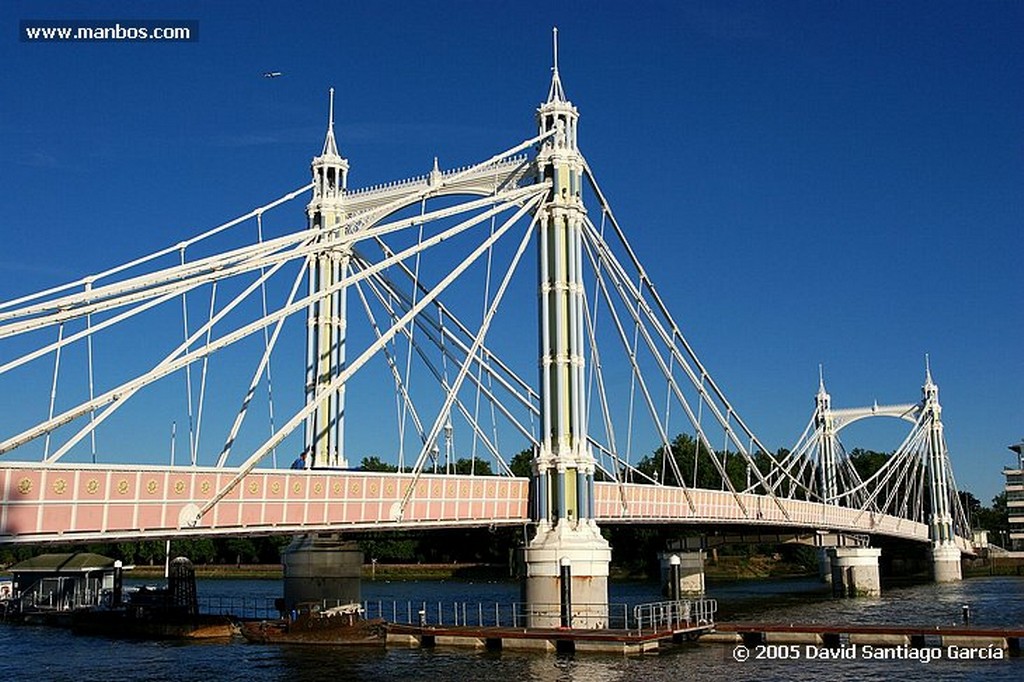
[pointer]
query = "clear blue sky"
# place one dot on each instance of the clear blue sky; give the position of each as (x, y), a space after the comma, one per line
(807, 182)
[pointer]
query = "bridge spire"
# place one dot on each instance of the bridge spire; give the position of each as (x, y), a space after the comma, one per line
(326, 327)
(929, 385)
(330, 145)
(555, 92)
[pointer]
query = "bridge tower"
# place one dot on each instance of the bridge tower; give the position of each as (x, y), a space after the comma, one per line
(945, 552)
(825, 427)
(325, 330)
(824, 423)
(568, 545)
(325, 566)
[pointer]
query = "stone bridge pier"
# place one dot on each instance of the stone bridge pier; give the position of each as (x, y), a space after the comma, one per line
(855, 571)
(682, 573)
(321, 566)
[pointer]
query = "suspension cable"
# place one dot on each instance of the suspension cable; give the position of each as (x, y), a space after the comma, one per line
(53, 388)
(266, 338)
(206, 362)
(299, 416)
(92, 385)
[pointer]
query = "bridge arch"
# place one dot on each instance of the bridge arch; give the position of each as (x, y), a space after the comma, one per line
(843, 418)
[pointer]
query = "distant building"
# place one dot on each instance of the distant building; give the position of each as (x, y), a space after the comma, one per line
(1015, 499)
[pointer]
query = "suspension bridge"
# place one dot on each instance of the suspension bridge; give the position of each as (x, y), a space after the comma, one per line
(420, 307)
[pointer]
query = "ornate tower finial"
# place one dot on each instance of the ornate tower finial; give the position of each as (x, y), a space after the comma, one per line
(822, 400)
(555, 92)
(554, 38)
(330, 145)
(434, 177)
(330, 170)
(930, 391)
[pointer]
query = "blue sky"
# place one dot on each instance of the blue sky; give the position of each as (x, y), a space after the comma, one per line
(806, 182)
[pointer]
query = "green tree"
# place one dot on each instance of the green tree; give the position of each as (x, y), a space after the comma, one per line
(126, 551)
(242, 550)
(200, 550)
(994, 519)
(522, 464)
(373, 463)
(475, 466)
(150, 551)
(971, 505)
(696, 465)
(389, 547)
(867, 462)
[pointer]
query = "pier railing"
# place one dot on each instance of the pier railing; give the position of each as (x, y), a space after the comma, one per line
(246, 608)
(493, 614)
(640, 618)
(684, 614)
(644, 618)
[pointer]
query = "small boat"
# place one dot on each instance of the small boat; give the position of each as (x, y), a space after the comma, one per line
(341, 625)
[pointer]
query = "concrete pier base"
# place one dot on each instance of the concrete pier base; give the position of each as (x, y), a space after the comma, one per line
(946, 563)
(824, 565)
(855, 571)
(691, 573)
(319, 567)
(586, 554)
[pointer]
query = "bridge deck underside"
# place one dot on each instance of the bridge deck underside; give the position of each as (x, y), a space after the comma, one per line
(71, 503)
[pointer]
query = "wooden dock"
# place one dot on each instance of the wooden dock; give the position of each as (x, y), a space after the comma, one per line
(539, 639)
(749, 634)
(753, 634)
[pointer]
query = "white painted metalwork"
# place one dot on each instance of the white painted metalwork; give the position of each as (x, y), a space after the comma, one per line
(915, 481)
(410, 250)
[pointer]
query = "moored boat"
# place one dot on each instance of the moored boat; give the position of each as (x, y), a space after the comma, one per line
(341, 625)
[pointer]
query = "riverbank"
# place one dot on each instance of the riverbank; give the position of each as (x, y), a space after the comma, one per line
(1011, 566)
(370, 571)
(725, 568)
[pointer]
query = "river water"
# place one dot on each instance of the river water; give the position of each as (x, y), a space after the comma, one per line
(42, 654)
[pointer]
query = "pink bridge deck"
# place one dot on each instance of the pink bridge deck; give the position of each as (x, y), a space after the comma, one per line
(85, 502)
(69, 503)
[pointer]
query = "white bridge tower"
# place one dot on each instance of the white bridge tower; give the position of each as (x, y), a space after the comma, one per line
(568, 545)
(325, 330)
(945, 553)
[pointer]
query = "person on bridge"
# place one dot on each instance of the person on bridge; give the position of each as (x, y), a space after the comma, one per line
(300, 461)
